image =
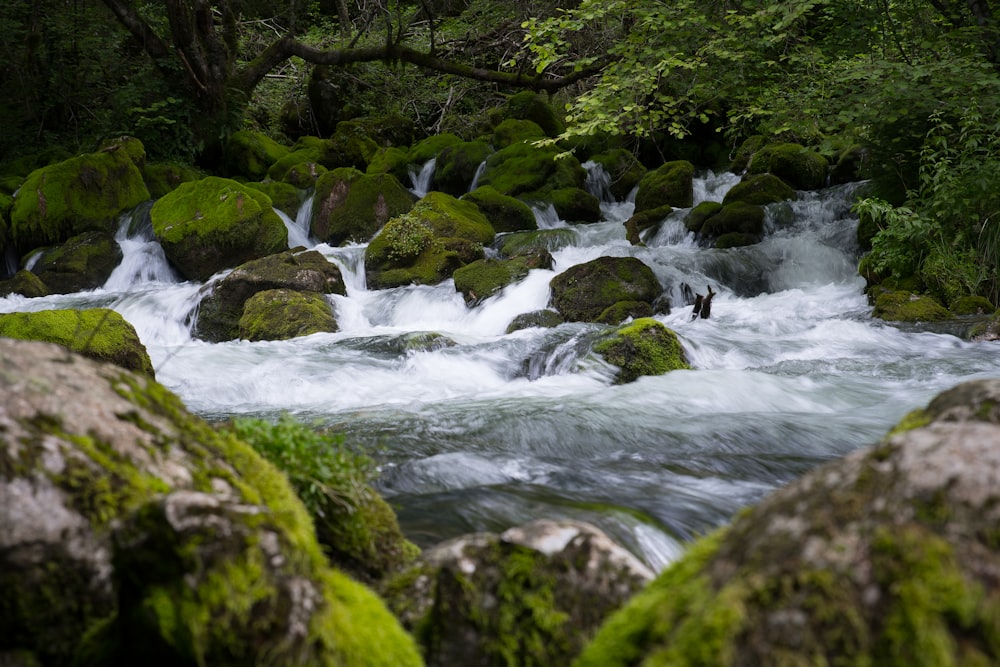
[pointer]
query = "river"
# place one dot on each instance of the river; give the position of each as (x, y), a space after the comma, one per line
(476, 429)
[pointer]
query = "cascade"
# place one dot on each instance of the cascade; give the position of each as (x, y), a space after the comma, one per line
(479, 429)
(475, 177)
(422, 179)
(143, 260)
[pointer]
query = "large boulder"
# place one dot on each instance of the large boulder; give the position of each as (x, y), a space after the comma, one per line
(25, 283)
(427, 245)
(886, 557)
(531, 106)
(531, 596)
(352, 206)
(98, 333)
(671, 184)
(135, 533)
(84, 262)
(642, 347)
(795, 164)
(222, 308)
(483, 278)
(280, 314)
(216, 223)
(251, 154)
(506, 214)
(759, 189)
(456, 166)
(84, 193)
(582, 292)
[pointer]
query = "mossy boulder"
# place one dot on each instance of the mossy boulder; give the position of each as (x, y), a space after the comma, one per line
(83, 262)
(515, 130)
(745, 152)
(528, 105)
(643, 220)
(849, 165)
(25, 283)
(135, 533)
(284, 196)
(575, 205)
(759, 189)
(506, 214)
(306, 154)
(351, 146)
(221, 310)
(519, 243)
(14, 172)
(885, 557)
(582, 292)
(623, 168)
(390, 160)
(531, 596)
(216, 223)
(530, 173)
(431, 147)
(163, 177)
(903, 306)
(456, 166)
(98, 333)
(624, 310)
(545, 319)
(352, 206)
(795, 164)
(643, 347)
(972, 305)
(280, 314)
(84, 193)
(250, 154)
(425, 246)
(670, 184)
(746, 220)
(696, 217)
(483, 278)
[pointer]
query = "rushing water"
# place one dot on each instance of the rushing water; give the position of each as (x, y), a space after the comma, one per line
(480, 430)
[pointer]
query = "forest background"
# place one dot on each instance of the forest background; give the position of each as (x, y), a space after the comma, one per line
(912, 86)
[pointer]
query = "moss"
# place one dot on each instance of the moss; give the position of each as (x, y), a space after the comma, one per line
(900, 306)
(737, 217)
(431, 147)
(251, 153)
(575, 205)
(457, 164)
(505, 214)
(528, 172)
(531, 106)
(537, 318)
(24, 283)
(515, 130)
(80, 194)
(623, 310)
(670, 184)
(644, 347)
(83, 262)
(759, 189)
(214, 224)
(803, 169)
(583, 292)
(698, 215)
(97, 333)
(285, 197)
(389, 160)
(351, 145)
(162, 178)
(451, 217)
(484, 278)
(972, 305)
(281, 314)
(350, 205)
(520, 243)
(306, 150)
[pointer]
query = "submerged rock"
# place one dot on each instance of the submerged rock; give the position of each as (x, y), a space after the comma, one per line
(886, 557)
(531, 596)
(135, 533)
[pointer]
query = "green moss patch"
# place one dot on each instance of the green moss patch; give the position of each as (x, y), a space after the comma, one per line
(644, 347)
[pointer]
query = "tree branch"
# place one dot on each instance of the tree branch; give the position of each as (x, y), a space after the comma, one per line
(155, 47)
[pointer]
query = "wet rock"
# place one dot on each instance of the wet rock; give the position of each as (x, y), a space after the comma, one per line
(671, 184)
(530, 596)
(643, 347)
(280, 314)
(134, 533)
(583, 292)
(888, 556)
(84, 262)
(798, 166)
(352, 206)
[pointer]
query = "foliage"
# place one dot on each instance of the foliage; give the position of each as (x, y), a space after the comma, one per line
(320, 466)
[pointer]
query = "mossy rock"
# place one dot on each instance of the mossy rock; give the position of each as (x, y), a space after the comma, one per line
(575, 205)
(483, 278)
(795, 164)
(451, 217)
(280, 314)
(582, 292)
(989, 330)
(745, 152)
(350, 205)
(457, 164)
(85, 193)
(138, 534)
(530, 173)
(351, 146)
(735, 218)
(531, 596)
(431, 147)
(306, 150)
(624, 169)
(284, 196)
(640, 222)
(505, 214)
(759, 189)
(884, 557)
(671, 184)
(514, 130)
(735, 240)
(643, 347)
(849, 165)
(390, 160)
(25, 283)
(545, 319)
(221, 310)
(98, 333)
(84, 262)
(531, 106)
(216, 223)
(624, 310)
(519, 243)
(696, 217)
(162, 177)
(14, 172)
(972, 305)
(304, 175)
(902, 306)
(250, 154)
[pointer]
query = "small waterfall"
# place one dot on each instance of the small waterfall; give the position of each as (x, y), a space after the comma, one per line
(475, 178)
(422, 180)
(713, 187)
(143, 260)
(298, 229)
(9, 266)
(547, 217)
(598, 182)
